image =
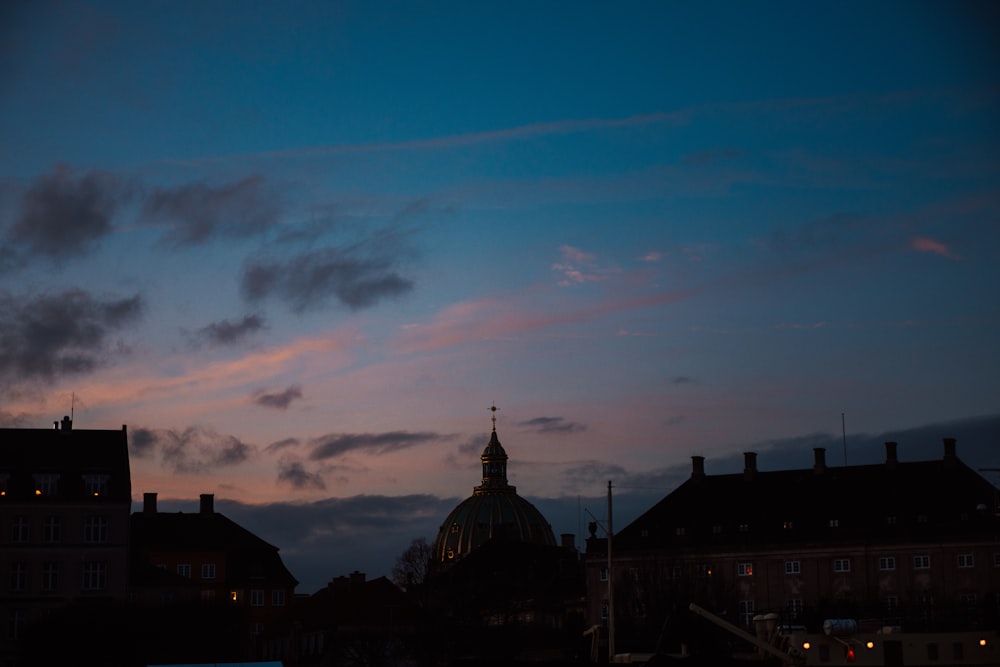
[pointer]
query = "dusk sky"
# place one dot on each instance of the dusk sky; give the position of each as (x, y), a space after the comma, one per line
(299, 249)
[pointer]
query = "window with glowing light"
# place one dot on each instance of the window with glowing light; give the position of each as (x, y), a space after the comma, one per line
(46, 484)
(744, 569)
(95, 485)
(3, 483)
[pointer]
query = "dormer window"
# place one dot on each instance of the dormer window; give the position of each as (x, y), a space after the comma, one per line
(46, 484)
(95, 485)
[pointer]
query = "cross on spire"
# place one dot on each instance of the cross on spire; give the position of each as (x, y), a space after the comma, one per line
(493, 408)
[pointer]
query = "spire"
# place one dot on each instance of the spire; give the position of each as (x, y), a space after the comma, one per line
(494, 460)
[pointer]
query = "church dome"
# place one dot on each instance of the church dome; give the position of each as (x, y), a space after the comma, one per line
(494, 511)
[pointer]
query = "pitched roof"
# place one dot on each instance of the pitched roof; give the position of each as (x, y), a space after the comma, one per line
(887, 502)
(69, 453)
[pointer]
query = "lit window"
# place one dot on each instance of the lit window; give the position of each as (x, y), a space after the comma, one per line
(95, 485)
(278, 597)
(94, 575)
(95, 530)
(887, 563)
(841, 564)
(3, 483)
(208, 571)
(46, 484)
(744, 569)
(921, 562)
(704, 570)
(965, 561)
(793, 567)
(256, 598)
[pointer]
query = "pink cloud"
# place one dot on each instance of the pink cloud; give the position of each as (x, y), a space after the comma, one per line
(652, 256)
(924, 244)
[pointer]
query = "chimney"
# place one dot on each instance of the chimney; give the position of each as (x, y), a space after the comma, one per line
(819, 456)
(208, 503)
(357, 578)
(749, 465)
(949, 449)
(568, 540)
(697, 466)
(149, 503)
(890, 454)
(67, 423)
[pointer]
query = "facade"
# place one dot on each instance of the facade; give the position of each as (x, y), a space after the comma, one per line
(908, 544)
(225, 564)
(494, 512)
(65, 499)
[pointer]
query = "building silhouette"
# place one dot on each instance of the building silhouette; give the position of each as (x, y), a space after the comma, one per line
(908, 544)
(65, 499)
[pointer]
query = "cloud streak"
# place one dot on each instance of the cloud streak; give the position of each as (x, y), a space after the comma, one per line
(194, 450)
(377, 444)
(547, 425)
(279, 400)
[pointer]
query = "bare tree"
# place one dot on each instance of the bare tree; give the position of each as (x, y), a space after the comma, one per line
(411, 567)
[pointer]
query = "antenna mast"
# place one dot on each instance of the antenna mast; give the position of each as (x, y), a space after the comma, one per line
(843, 430)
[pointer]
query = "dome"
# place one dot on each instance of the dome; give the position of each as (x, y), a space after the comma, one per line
(494, 511)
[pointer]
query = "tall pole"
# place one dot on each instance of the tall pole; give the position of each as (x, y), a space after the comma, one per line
(611, 587)
(843, 429)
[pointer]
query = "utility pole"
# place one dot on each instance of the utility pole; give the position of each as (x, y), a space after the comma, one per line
(611, 587)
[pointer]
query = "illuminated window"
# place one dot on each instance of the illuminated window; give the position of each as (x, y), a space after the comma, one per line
(208, 571)
(744, 569)
(278, 597)
(887, 563)
(184, 569)
(841, 564)
(965, 561)
(788, 525)
(94, 575)
(95, 530)
(793, 567)
(921, 562)
(46, 484)
(95, 485)
(704, 570)
(256, 598)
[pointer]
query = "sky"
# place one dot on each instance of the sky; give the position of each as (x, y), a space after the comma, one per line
(301, 248)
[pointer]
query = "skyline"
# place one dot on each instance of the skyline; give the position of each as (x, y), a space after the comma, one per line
(301, 250)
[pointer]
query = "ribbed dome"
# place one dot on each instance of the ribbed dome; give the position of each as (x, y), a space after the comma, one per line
(494, 511)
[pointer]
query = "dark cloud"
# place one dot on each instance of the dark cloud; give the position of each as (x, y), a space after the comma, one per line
(682, 379)
(226, 332)
(198, 212)
(64, 214)
(282, 444)
(197, 449)
(280, 400)
(294, 473)
(51, 335)
(312, 279)
(333, 445)
(552, 425)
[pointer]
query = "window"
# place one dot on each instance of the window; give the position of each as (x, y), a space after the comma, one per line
(676, 572)
(967, 599)
(645, 532)
(53, 529)
(19, 529)
(996, 560)
(965, 561)
(921, 518)
(788, 525)
(207, 595)
(680, 531)
(208, 571)
(256, 598)
(746, 612)
(46, 484)
(95, 485)
(604, 574)
(834, 523)
(793, 567)
(17, 576)
(3, 483)
(704, 570)
(184, 569)
(921, 562)
(278, 597)
(50, 576)
(891, 604)
(887, 563)
(841, 564)
(744, 528)
(717, 529)
(604, 611)
(95, 530)
(794, 609)
(94, 575)
(891, 520)
(744, 569)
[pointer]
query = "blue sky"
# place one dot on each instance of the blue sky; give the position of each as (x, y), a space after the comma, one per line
(300, 248)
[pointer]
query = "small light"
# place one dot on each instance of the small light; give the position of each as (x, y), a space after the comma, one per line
(850, 654)
(38, 492)
(233, 593)
(982, 642)
(806, 645)
(95, 493)
(3, 493)
(870, 644)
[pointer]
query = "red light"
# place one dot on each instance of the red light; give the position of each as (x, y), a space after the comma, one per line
(850, 654)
